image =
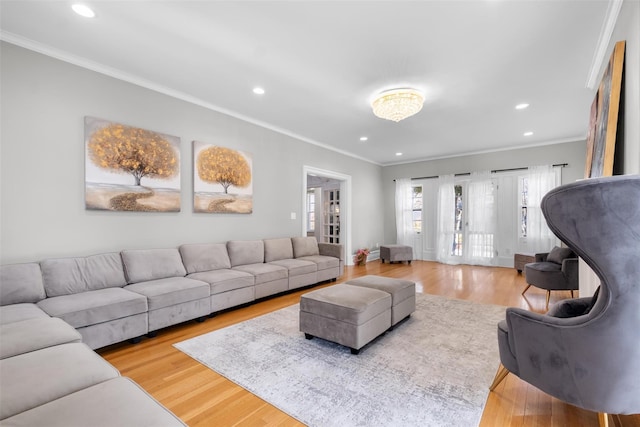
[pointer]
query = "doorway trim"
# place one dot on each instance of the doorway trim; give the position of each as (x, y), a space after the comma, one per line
(345, 204)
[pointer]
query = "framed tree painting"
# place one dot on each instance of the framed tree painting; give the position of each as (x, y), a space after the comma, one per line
(222, 179)
(603, 118)
(130, 169)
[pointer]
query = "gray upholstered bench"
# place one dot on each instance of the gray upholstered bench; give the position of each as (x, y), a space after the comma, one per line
(394, 253)
(403, 294)
(348, 315)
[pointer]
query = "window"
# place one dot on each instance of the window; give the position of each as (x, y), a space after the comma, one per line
(458, 231)
(311, 209)
(524, 203)
(416, 205)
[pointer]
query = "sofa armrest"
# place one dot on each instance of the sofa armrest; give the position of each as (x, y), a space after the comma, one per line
(541, 257)
(331, 249)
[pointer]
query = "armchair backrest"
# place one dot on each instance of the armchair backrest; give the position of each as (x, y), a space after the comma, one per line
(600, 220)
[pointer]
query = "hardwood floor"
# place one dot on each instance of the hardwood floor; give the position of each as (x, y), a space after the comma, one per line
(200, 397)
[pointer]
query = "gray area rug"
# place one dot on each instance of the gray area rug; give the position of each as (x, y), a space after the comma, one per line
(433, 369)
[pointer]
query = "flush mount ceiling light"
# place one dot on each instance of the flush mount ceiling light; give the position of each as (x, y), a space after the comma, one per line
(397, 104)
(83, 10)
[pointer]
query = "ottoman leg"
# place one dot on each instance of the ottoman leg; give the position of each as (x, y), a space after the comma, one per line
(308, 336)
(355, 351)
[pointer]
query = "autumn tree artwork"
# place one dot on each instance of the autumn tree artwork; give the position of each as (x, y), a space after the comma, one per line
(222, 179)
(130, 169)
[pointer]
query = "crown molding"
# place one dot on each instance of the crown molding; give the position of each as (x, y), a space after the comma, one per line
(613, 10)
(489, 151)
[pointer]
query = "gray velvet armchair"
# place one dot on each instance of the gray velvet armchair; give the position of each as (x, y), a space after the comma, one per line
(586, 351)
(556, 270)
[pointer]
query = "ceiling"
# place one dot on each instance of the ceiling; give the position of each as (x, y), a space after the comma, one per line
(320, 62)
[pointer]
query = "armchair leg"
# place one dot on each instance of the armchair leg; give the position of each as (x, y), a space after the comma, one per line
(525, 289)
(572, 294)
(603, 419)
(500, 375)
(546, 307)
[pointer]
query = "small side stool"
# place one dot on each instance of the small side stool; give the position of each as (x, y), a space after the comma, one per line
(394, 253)
(519, 260)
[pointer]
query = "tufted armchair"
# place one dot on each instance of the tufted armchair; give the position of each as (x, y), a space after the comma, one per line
(586, 351)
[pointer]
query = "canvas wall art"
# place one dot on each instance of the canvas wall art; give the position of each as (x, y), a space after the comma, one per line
(222, 179)
(603, 118)
(130, 169)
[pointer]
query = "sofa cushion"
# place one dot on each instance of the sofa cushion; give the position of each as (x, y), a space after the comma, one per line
(170, 291)
(225, 280)
(305, 246)
(557, 255)
(242, 252)
(323, 262)
(21, 283)
(65, 276)
(115, 402)
(264, 272)
(277, 249)
(19, 312)
(35, 378)
(92, 307)
(205, 257)
(150, 264)
(297, 267)
(35, 334)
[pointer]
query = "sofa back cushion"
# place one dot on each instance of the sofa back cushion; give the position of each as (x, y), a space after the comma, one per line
(204, 257)
(66, 276)
(242, 252)
(277, 249)
(305, 246)
(21, 283)
(142, 265)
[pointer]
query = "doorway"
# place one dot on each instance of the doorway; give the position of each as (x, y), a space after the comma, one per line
(326, 209)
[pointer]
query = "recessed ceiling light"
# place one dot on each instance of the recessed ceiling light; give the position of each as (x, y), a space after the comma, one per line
(528, 133)
(83, 10)
(258, 91)
(363, 138)
(521, 106)
(398, 154)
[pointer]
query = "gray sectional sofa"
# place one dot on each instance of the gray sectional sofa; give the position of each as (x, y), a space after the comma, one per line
(55, 312)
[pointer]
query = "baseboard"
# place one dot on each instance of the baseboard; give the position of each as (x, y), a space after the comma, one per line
(373, 255)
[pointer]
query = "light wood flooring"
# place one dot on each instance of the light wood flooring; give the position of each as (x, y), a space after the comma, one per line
(200, 397)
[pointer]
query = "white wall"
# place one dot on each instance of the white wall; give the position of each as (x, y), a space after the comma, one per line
(43, 103)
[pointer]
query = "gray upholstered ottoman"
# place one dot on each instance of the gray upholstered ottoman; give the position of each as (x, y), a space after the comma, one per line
(394, 253)
(348, 315)
(403, 294)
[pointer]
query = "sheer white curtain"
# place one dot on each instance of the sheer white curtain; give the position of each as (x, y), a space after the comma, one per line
(446, 219)
(481, 221)
(540, 180)
(404, 209)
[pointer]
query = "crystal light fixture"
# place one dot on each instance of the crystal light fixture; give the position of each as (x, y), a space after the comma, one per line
(397, 104)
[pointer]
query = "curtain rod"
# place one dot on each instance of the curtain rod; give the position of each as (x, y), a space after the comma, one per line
(561, 165)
